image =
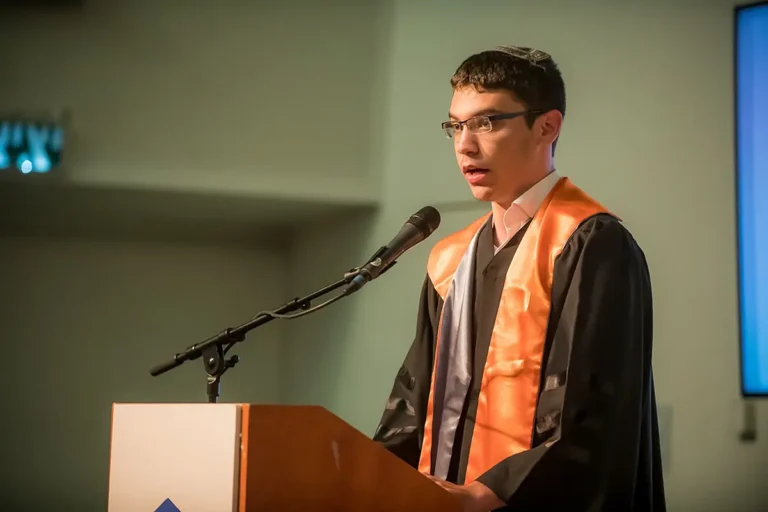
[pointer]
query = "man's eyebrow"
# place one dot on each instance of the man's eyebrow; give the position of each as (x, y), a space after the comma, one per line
(483, 112)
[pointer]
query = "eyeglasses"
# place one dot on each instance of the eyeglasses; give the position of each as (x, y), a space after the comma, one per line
(480, 124)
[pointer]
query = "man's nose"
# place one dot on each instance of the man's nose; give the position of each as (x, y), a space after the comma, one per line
(466, 142)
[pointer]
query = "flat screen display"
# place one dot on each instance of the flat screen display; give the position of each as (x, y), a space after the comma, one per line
(751, 88)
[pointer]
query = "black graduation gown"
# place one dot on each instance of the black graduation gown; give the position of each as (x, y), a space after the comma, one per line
(595, 442)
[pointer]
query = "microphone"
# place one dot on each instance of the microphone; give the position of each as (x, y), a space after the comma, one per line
(421, 224)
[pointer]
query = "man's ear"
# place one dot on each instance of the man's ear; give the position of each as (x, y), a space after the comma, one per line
(548, 126)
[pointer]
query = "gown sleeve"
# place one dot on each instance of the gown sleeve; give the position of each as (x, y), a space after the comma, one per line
(591, 432)
(401, 428)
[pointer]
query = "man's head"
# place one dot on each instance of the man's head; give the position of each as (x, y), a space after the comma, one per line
(502, 157)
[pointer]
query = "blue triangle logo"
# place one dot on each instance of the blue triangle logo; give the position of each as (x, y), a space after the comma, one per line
(167, 506)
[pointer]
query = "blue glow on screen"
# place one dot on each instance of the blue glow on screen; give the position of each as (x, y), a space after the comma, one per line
(752, 190)
(30, 147)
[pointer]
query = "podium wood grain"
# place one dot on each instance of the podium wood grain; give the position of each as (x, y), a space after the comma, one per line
(304, 458)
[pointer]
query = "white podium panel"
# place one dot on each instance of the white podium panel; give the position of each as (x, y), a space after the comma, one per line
(174, 457)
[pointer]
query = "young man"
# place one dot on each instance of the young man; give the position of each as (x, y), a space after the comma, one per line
(529, 383)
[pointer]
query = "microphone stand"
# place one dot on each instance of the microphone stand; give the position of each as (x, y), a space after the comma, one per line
(213, 350)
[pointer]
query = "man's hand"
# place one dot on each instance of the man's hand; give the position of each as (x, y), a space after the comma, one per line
(475, 497)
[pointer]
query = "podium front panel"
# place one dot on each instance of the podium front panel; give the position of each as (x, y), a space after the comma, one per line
(174, 457)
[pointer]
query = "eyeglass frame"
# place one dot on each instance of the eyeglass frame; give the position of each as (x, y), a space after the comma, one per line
(493, 117)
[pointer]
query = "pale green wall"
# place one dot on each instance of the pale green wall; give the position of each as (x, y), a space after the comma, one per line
(81, 323)
(201, 96)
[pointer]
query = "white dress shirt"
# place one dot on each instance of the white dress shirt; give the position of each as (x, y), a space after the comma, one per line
(525, 207)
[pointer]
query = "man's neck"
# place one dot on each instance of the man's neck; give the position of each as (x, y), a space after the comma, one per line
(499, 209)
(499, 229)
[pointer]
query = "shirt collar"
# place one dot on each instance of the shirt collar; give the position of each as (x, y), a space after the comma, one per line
(532, 198)
(525, 207)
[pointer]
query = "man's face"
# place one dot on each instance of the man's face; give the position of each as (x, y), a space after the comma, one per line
(500, 164)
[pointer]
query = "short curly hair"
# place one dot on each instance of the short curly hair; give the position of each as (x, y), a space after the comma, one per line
(532, 76)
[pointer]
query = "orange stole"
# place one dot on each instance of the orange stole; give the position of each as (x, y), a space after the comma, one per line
(510, 384)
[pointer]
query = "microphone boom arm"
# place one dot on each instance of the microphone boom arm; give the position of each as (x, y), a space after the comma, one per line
(214, 349)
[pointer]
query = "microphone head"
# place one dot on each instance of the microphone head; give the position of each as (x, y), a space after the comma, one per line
(426, 220)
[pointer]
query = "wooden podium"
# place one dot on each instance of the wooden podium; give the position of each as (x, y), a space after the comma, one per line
(240, 457)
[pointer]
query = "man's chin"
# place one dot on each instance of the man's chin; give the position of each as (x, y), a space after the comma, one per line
(482, 193)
